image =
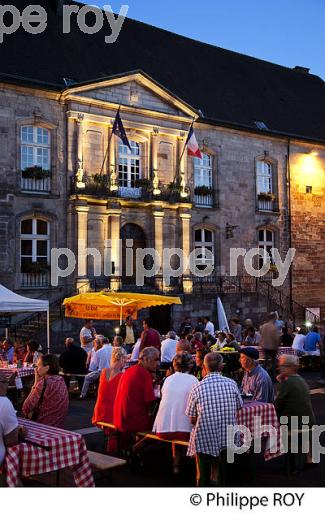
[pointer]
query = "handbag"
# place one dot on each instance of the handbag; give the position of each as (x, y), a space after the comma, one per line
(34, 414)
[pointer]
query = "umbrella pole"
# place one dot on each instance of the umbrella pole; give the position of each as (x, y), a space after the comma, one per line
(121, 314)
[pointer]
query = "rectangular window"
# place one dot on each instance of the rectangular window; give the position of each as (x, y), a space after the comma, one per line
(35, 147)
(129, 164)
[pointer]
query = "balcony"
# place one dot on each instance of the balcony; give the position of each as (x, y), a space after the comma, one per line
(100, 189)
(36, 185)
(35, 179)
(204, 197)
(266, 202)
(34, 280)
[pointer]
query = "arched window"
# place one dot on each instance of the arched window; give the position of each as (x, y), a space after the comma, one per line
(265, 242)
(264, 177)
(203, 171)
(129, 164)
(203, 242)
(35, 147)
(34, 245)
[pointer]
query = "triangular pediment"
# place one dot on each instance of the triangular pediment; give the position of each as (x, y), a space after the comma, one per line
(135, 90)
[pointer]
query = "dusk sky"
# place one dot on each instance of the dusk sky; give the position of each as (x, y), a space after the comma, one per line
(287, 32)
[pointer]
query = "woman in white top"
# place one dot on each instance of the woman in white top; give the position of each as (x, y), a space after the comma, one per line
(171, 422)
(299, 342)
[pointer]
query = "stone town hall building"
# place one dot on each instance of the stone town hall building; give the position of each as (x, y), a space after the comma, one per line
(65, 177)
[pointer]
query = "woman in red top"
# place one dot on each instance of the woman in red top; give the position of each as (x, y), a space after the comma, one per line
(108, 383)
(48, 400)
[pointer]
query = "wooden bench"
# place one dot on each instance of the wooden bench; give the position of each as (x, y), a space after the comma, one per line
(104, 464)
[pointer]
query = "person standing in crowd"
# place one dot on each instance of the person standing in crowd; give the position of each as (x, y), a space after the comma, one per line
(236, 329)
(279, 323)
(256, 380)
(129, 333)
(199, 367)
(270, 342)
(168, 348)
(93, 363)
(252, 338)
(135, 395)
(208, 326)
(293, 402)
(287, 337)
(186, 327)
(48, 400)
(150, 337)
(171, 423)
(312, 342)
(33, 353)
(73, 361)
(183, 345)
(299, 341)
(200, 326)
(108, 384)
(212, 407)
(87, 335)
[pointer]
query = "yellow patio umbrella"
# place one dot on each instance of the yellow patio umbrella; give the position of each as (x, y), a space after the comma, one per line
(110, 305)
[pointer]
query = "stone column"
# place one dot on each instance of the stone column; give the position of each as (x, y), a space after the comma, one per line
(186, 244)
(116, 246)
(112, 163)
(80, 134)
(181, 165)
(82, 263)
(159, 243)
(154, 161)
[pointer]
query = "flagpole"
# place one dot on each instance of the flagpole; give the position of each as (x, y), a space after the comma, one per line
(108, 145)
(183, 151)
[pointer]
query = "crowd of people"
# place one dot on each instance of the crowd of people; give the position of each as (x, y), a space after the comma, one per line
(172, 385)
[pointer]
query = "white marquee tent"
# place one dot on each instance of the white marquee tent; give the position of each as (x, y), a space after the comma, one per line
(12, 303)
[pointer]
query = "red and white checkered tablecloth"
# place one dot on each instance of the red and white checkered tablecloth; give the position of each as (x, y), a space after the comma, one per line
(268, 416)
(57, 449)
(19, 372)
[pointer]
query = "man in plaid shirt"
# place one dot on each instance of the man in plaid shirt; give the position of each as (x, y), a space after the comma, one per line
(212, 406)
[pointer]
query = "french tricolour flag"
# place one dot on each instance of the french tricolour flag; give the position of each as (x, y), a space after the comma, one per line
(192, 145)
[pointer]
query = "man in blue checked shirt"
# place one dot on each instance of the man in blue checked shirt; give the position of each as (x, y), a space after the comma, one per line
(212, 406)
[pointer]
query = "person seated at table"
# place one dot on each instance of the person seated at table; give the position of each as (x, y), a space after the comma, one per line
(212, 407)
(136, 350)
(220, 343)
(197, 342)
(299, 339)
(48, 400)
(33, 353)
(231, 342)
(293, 401)
(313, 342)
(93, 367)
(168, 349)
(256, 380)
(287, 337)
(182, 345)
(171, 423)
(73, 361)
(135, 396)
(199, 366)
(7, 351)
(8, 420)
(252, 337)
(19, 351)
(108, 383)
